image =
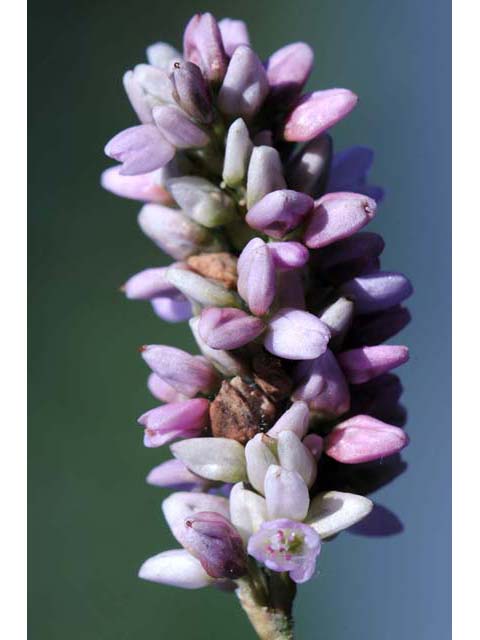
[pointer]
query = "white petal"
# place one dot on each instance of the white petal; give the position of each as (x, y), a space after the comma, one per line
(220, 459)
(183, 504)
(248, 510)
(333, 511)
(176, 568)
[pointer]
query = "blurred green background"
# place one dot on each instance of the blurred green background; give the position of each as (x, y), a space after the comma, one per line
(92, 518)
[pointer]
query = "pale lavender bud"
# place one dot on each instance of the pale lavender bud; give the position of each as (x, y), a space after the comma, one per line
(264, 174)
(148, 284)
(286, 494)
(228, 328)
(176, 309)
(162, 55)
(294, 456)
(202, 290)
(323, 385)
(245, 85)
(288, 255)
(234, 33)
(377, 291)
(219, 459)
(334, 511)
(279, 212)
(290, 290)
(163, 391)
(187, 374)
(349, 172)
(259, 457)
(361, 365)
(182, 504)
(338, 317)
(315, 112)
(363, 438)
(139, 187)
(307, 171)
(359, 248)
(243, 264)
(248, 510)
(192, 92)
(314, 444)
(296, 335)
(202, 45)
(137, 98)
(285, 545)
(377, 328)
(140, 149)
(155, 83)
(215, 542)
(173, 231)
(178, 129)
(202, 201)
(238, 149)
(176, 568)
(295, 419)
(173, 474)
(175, 420)
(288, 70)
(224, 361)
(257, 278)
(337, 216)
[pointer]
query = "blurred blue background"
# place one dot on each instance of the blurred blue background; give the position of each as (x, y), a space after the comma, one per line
(92, 518)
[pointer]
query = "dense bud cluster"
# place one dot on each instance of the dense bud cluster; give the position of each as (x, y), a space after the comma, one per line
(292, 397)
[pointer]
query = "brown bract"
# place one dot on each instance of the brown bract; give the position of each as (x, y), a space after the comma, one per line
(217, 266)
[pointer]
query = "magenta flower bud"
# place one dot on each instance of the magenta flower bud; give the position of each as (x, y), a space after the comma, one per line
(363, 246)
(376, 328)
(140, 149)
(323, 385)
(307, 171)
(234, 33)
(202, 45)
(285, 545)
(337, 216)
(202, 201)
(349, 172)
(296, 335)
(361, 365)
(140, 187)
(279, 212)
(161, 55)
(295, 419)
(377, 291)
(238, 148)
(176, 568)
(178, 129)
(191, 91)
(215, 542)
(175, 420)
(245, 85)
(288, 255)
(228, 328)
(187, 374)
(362, 439)
(314, 444)
(176, 309)
(163, 391)
(315, 112)
(148, 284)
(290, 290)
(286, 494)
(256, 273)
(174, 232)
(288, 70)
(265, 174)
(173, 474)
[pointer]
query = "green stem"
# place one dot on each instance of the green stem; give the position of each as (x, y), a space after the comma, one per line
(269, 623)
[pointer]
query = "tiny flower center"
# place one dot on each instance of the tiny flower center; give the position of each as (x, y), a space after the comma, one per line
(285, 542)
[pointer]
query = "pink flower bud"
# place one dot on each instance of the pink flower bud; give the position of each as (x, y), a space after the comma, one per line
(175, 420)
(228, 328)
(361, 365)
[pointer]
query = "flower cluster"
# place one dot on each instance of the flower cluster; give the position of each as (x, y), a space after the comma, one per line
(285, 298)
